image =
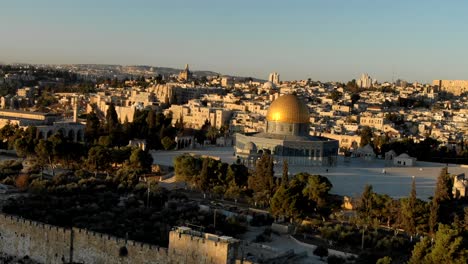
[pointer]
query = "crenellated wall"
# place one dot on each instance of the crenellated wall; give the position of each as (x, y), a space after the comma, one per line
(50, 244)
(56, 245)
(92, 247)
(201, 248)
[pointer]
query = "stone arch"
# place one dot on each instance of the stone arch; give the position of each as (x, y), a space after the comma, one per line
(79, 135)
(71, 135)
(61, 131)
(40, 135)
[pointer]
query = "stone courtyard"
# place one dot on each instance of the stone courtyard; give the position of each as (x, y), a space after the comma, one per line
(350, 175)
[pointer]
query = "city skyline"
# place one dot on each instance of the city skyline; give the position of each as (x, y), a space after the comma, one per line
(325, 41)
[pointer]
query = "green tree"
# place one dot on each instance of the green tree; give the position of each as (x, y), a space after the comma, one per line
(8, 132)
(385, 209)
(366, 136)
(285, 177)
(237, 173)
(22, 147)
(444, 186)
(449, 246)
(98, 159)
(151, 120)
(366, 204)
(233, 191)
(59, 148)
(352, 86)
(442, 194)
(168, 143)
(24, 144)
(289, 200)
(141, 160)
(186, 167)
(354, 98)
(112, 119)
(335, 95)
(384, 260)
(120, 155)
(204, 176)
(317, 189)
(212, 134)
(410, 216)
(92, 126)
(262, 179)
(280, 202)
(44, 151)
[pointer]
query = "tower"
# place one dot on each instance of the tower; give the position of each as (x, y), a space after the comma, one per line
(274, 78)
(75, 109)
(185, 75)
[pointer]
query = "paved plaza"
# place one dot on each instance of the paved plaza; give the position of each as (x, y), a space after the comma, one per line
(350, 175)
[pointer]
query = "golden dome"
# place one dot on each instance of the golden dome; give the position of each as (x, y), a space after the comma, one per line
(288, 109)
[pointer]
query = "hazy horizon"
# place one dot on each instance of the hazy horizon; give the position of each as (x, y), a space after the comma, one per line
(321, 40)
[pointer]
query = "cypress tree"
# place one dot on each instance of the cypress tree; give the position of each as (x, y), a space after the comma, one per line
(112, 119)
(410, 221)
(442, 193)
(285, 178)
(444, 185)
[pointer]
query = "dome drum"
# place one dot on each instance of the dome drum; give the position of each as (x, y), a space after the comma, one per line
(287, 128)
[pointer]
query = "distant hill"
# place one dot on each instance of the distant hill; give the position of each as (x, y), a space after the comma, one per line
(127, 70)
(167, 70)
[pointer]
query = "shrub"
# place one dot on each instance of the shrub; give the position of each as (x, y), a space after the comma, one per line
(333, 259)
(22, 182)
(321, 251)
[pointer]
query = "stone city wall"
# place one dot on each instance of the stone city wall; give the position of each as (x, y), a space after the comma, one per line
(50, 244)
(207, 248)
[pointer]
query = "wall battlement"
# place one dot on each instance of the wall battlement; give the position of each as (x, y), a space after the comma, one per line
(50, 244)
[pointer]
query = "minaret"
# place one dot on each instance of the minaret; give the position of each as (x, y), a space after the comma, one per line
(75, 109)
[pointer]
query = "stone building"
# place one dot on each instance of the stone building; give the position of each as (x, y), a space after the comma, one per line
(377, 122)
(25, 118)
(459, 186)
(366, 152)
(345, 141)
(404, 160)
(47, 124)
(177, 93)
(287, 137)
(456, 87)
(190, 246)
(185, 75)
(195, 115)
(365, 81)
(274, 77)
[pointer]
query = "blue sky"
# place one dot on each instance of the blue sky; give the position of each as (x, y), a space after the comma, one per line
(323, 40)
